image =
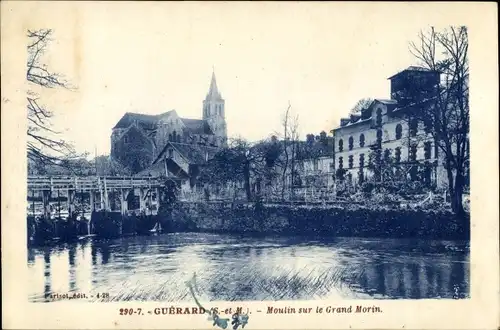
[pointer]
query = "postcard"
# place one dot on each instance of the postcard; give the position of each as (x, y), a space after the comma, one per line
(249, 165)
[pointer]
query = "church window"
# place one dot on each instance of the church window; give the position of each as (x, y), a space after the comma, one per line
(362, 140)
(399, 131)
(351, 161)
(351, 143)
(341, 145)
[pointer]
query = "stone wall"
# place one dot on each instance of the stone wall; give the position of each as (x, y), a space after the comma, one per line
(332, 221)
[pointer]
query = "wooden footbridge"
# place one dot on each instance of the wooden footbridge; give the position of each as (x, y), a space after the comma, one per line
(98, 190)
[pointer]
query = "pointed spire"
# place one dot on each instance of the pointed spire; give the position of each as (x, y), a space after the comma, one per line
(213, 92)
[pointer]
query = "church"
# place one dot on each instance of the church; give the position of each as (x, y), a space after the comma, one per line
(168, 144)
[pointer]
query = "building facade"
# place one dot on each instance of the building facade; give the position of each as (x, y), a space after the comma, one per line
(314, 180)
(138, 141)
(386, 140)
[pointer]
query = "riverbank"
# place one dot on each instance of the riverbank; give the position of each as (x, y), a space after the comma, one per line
(337, 221)
(345, 221)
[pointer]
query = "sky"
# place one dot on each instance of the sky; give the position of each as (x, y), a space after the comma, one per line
(150, 58)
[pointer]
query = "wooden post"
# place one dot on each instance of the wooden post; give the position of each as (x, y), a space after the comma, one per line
(33, 202)
(71, 202)
(46, 204)
(157, 191)
(106, 201)
(123, 199)
(142, 201)
(92, 200)
(59, 203)
(150, 200)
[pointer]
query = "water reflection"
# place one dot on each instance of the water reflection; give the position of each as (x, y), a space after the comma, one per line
(244, 268)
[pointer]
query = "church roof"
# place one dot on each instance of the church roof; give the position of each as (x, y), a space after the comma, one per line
(145, 121)
(197, 126)
(213, 91)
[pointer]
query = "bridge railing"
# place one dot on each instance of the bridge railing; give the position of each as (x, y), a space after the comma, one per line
(90, 183)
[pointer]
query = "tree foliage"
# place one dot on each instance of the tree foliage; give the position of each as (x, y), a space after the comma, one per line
(361, 104)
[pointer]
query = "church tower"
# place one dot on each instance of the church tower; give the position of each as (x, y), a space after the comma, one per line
(214, 111)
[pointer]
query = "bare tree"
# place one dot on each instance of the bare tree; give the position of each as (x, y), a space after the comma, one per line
(447, 107)
(44, 146)
(360, 105)
(290, 144)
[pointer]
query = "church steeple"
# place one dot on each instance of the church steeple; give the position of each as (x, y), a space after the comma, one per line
(214, 111)
(213, 92)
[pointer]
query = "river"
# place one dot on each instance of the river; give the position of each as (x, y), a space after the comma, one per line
(242, 268)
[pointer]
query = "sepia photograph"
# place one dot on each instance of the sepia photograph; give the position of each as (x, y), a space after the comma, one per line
(193, 156)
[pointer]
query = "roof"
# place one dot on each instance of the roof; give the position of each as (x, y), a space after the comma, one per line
(386, 101)
(414, 69)
(145, 121)
(366, 114)
(193, 153)
(149, 123)
(314, 150)
(155, 170)
(197, 126)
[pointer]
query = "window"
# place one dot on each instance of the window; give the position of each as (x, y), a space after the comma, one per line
(379, 117)
(413, 127)
(170, 153)
(387, 154)
(398, 155)
(413, 153)
(427, 150)
(341, 162)
(341, 145)
(362, 160)
(428, 126)
(170, 137)
(399, 131)
(351, 161)
(362, 140)
(351, 143)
